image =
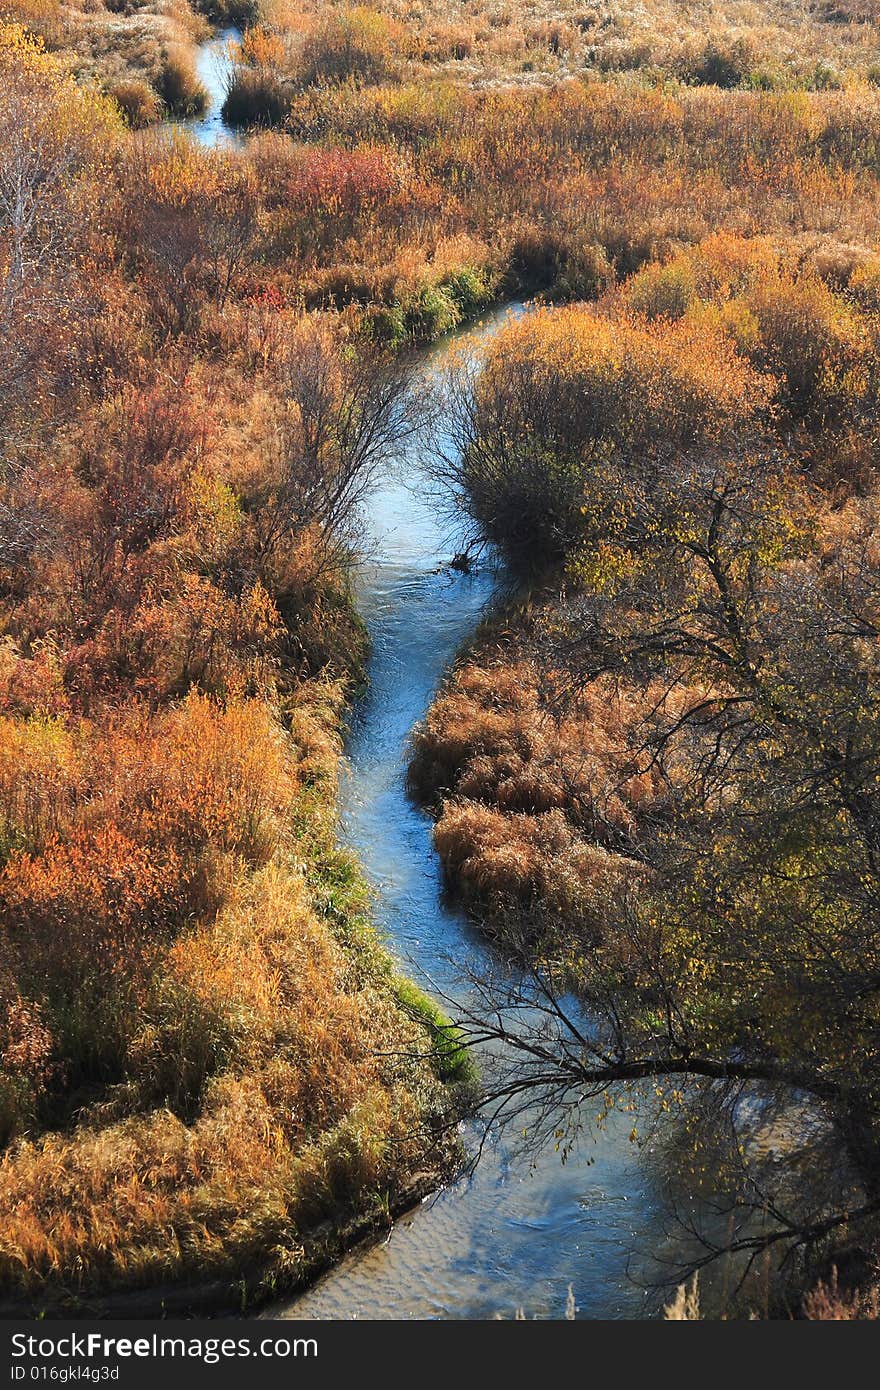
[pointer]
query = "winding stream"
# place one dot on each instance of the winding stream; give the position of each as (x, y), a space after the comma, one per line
(512, 1235)
(504, 1238)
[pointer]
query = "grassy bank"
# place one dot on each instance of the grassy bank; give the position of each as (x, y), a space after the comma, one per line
(274, 1100)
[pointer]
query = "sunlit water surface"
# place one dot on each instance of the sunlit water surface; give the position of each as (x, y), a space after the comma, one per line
(514, 1234)
(213, 66)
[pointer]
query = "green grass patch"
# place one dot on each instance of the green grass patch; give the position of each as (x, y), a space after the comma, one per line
(450, 1058)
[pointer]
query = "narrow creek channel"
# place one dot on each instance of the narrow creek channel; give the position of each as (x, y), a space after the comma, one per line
(506, 1237)
(515, 1233)
(213, 67)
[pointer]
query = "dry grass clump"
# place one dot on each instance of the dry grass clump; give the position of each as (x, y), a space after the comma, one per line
(252, 1013)
(255, 98)
(829, 1301)
(140, 104)
(530, 875)
(179, 86)
(500, 734)
(538, 795)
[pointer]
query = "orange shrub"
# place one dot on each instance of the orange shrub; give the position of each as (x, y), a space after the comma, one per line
(137, 101)
(117, 837)
(40, 777)
(582, 378)
(26, 1060)
(811, 340)
(356, 43)
(562, 392)
(31, 685)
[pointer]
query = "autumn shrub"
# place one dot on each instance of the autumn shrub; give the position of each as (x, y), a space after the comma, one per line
(32, 687)
(55, 203)
(542, 259)
(179, 86)
(561, 393)
(341, 189)
(39, 780)
(189, 226)
(662, 291)
(356, 44)
(720, 270)
(42, 18)
(725, 265)
(864, 284)
(140, 104)
(722, 62)
(104, 885)
(810, 340)
(806, 322)
(28, 1056)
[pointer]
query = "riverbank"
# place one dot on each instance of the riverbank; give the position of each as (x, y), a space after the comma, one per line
(630, 792)
(206, 1054)
(238, 1201)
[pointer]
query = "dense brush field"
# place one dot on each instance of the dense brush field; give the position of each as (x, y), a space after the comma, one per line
(656, 772)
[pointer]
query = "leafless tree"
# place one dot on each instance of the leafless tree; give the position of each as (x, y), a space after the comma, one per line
(343, 411)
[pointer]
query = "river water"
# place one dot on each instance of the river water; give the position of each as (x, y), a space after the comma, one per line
(213, 64)
(515, 1234)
